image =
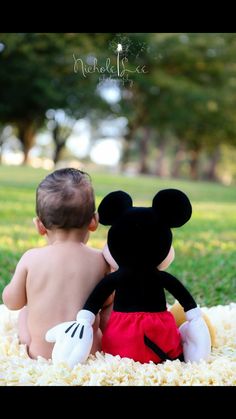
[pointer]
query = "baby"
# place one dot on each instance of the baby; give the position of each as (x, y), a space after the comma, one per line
(52, 283)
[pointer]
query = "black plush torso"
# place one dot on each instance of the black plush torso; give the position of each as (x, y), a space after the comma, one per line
(139, 290)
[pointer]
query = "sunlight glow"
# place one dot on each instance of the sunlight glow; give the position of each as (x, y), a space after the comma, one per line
(106, 152)
(79, 144)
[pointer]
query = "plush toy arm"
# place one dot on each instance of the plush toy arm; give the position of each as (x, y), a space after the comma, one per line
(194, 333)
(73, 339)
(101, 292)
(178, 290)
(195, 336)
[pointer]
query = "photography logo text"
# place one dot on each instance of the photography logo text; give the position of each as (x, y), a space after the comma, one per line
(121, 70)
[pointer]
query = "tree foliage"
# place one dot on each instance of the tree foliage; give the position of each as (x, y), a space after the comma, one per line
(180, 85)
(189, 89)
(37, 74)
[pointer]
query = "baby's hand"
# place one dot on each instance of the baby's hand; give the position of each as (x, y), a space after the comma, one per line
(73, 339)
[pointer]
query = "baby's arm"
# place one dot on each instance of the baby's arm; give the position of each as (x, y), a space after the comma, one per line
(109, 259)
(14, 294)
(106, 311)
(108, 305)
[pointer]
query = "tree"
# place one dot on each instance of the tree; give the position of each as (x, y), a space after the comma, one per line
(37, 74)
(189, 91)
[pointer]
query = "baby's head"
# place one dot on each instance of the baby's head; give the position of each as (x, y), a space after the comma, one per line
(65, 200)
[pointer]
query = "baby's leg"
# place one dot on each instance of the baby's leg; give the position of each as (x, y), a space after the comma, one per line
(23, 331)
(104, 317)
(97, 336)
(34, 347)
(38, 347)
(106, 312)
(97, 342)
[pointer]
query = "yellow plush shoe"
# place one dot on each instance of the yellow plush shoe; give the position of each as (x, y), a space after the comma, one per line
(179, 315)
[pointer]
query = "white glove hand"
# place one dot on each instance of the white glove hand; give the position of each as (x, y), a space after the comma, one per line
(195, 336)
(107, 256)
(73, 339)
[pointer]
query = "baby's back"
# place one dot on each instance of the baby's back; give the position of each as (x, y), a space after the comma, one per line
(60, 278)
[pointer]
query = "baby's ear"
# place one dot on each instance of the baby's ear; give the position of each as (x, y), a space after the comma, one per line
(39, 226)
(93, 225)
(113, 206)
(172, 206)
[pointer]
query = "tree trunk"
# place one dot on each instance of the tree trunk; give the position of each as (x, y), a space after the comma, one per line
(26, 132)
(194, 162)
(128, 140)
(160, 163)
(144, 143)
(178, 159)
(1, 144)
(60, 134)
(57, 152)
(214, 158)
(126, 153)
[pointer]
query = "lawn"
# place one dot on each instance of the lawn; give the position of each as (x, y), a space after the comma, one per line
(205, 247)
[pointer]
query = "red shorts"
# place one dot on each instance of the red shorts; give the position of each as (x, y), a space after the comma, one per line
(124, 335)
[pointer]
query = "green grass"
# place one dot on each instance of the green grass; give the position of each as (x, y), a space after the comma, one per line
(205, 247)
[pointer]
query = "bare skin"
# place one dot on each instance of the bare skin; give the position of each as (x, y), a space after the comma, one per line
(52, 283)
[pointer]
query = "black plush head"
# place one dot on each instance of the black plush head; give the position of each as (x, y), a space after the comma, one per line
(142, 236)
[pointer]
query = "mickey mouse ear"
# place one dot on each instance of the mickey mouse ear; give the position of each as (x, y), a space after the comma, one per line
(112, 206)
(173, 206)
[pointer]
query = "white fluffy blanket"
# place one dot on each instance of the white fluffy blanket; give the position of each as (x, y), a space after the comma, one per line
(17, 369)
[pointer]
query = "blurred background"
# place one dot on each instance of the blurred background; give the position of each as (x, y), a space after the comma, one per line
(139, 112)
(162, 104)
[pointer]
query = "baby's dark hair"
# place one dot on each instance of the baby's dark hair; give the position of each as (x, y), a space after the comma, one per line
(65, 199)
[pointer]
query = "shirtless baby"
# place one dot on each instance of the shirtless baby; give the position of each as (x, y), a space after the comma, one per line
(52, 283)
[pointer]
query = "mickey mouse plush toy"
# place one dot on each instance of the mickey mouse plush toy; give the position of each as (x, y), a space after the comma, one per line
(140, 326)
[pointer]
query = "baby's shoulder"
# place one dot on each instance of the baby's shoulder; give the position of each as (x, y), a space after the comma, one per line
(32, 254)
(94, 252)
(99, 260)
